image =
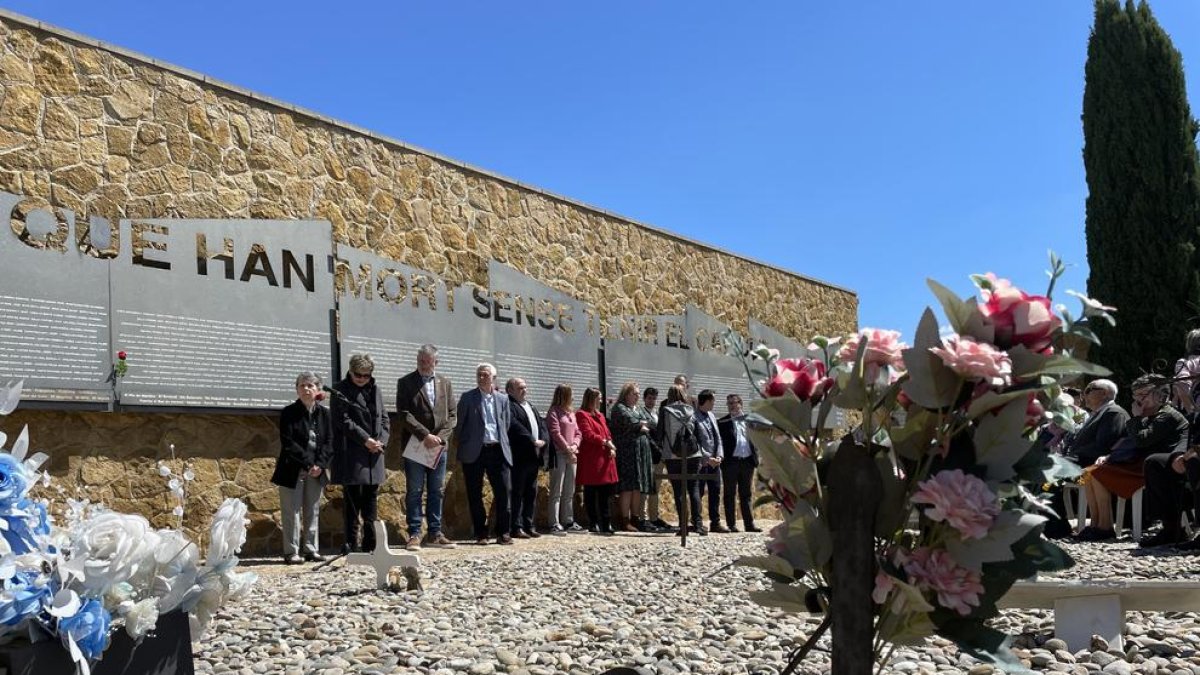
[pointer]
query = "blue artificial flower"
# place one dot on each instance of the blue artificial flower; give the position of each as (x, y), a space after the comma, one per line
(22, 598)
(88, 628)
(22, 522)
(14, 481)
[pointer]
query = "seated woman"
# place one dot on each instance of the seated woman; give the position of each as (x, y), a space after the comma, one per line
(1155, 427)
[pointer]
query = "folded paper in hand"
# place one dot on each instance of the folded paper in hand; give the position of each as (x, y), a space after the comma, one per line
(417, 452)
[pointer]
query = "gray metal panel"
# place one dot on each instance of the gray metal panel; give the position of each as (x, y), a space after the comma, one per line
(225, 332)
(390, 309)
(555, 349)
(649, 363)
(712, 367)
(54, 324)
(761, 333)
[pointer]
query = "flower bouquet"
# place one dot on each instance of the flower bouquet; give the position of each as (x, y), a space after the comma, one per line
(100, 571)
(930, 501)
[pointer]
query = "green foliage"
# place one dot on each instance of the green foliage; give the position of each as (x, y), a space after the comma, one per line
(1143, 176)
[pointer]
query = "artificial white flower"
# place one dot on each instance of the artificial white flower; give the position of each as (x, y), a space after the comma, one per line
(141, 617)
(227, 532)
(109, 548)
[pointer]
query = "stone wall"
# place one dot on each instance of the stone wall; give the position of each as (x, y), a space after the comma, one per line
(96, 129)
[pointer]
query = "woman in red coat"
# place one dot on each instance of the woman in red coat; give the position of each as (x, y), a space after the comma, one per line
(596, 469)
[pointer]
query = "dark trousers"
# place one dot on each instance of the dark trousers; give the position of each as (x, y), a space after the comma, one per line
(360, 503)
(712, 486)
(675, 467)
(524, 494)
(491, 463)
(738, 476)
(1167, 492)
(595, 500)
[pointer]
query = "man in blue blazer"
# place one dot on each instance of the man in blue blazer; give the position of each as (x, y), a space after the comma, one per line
(481, 435)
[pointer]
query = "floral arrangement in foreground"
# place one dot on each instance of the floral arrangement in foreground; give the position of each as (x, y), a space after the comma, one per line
(949, 424)
(101, 571)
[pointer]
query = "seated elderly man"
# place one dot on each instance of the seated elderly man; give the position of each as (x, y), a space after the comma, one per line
(1092, 439)
(1155, 427)
(1104, 426)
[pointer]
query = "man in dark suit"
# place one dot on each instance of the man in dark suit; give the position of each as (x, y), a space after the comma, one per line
(528, 438)
(426, 409)
(481, 437)
(1104, 426)
(737, 469)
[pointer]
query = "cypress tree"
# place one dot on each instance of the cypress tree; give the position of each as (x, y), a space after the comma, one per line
(1143, 177)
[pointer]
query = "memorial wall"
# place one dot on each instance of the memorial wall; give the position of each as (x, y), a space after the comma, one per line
(226, 241)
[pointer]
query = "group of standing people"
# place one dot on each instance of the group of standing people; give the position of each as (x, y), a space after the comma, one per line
(502, 438)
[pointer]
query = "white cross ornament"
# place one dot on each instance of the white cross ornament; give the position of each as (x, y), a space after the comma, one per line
(383, 559)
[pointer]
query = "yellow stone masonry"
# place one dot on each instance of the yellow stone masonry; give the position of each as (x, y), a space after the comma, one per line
(109, 134)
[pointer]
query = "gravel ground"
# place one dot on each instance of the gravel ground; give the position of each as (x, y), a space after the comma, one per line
(584, 603)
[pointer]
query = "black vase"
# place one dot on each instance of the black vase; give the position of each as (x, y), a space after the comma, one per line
(166, 650)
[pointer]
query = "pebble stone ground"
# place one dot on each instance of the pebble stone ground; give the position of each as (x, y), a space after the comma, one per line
(585, 603)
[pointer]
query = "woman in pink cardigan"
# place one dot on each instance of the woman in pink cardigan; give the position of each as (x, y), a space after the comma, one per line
(565, 436)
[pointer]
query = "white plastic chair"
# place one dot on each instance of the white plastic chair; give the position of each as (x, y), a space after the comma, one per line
(1079, 515)
(1119, 523)
(1081, 518)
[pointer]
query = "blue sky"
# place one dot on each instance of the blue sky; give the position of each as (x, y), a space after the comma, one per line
(868, 144)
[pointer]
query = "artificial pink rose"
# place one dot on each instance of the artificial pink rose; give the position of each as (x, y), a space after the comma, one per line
(883, 348)
(960, 500)
(1017, 317)
(804, 377)
(975, 360)
(122, 355)
(1034, 412)
(956, 587)
(884, 583)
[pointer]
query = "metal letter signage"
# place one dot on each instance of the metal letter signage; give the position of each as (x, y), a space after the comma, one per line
(221, 313)
(388, 310)
(541, 334)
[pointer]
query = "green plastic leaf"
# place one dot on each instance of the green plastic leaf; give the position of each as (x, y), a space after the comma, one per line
(805, 541)
(930, 383)
(851, 390)
(992, 400)
(1009, 528)
(787, 412)
(957, 312)
(999, 444)
(912, 440)
(907, 629)
(1062, 364)
(788, 597)
(780, 460)
(770, 563)
(982, 642)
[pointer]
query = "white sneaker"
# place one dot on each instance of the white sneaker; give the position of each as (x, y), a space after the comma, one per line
(575, 528)
(558, 531)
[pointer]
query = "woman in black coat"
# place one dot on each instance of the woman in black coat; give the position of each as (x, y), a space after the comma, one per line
(301, 471)
(360, 433)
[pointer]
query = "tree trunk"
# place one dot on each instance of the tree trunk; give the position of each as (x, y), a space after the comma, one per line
(854, 494)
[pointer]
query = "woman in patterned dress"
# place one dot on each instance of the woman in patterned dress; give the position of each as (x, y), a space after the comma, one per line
(631, 427)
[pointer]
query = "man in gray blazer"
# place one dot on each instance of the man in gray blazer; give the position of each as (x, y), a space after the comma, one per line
(481, 437)
(426, 406)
